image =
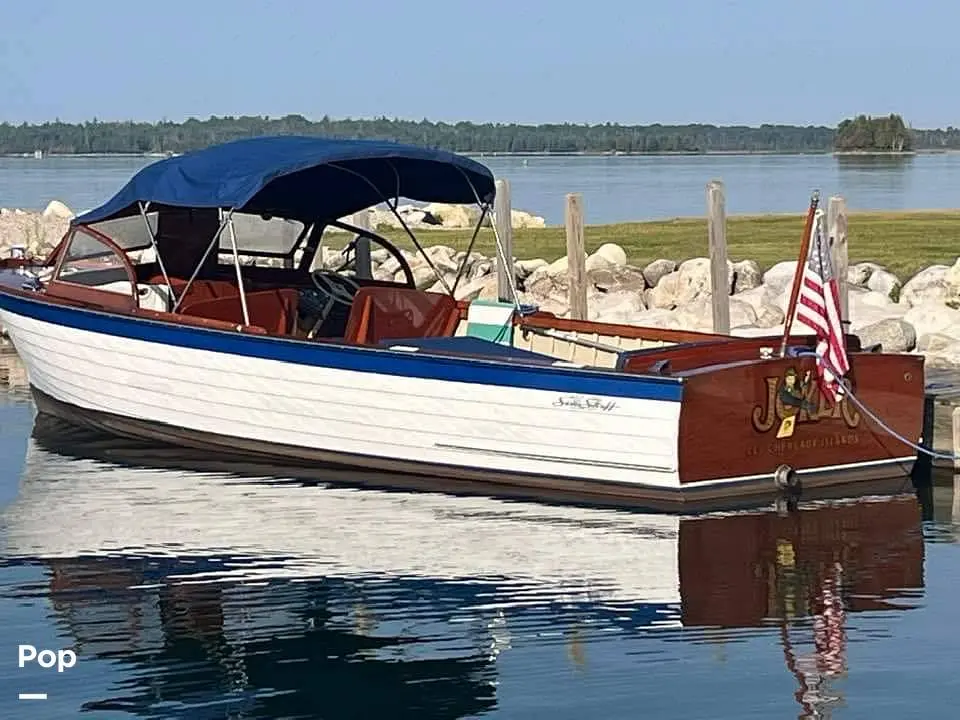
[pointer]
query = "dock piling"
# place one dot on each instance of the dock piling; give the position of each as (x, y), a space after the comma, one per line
(502, 217)
(364, 267)
(576, 256)
(837, 232)
(717, 237)
(955, 445)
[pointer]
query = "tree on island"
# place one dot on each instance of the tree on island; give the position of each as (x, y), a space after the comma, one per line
(873, 134)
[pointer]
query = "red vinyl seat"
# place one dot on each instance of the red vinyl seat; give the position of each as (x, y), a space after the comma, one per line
(385, 313)
(199, 289)
(273, 310)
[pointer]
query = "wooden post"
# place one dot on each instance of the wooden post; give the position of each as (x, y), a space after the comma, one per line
(922, 473)
(955, 417)
(955, 510)
(364, 267)
(502, 216)
(576, 257)
(837, 231)
(717, 235)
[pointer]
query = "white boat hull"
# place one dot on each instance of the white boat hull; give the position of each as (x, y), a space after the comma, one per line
(369, 418)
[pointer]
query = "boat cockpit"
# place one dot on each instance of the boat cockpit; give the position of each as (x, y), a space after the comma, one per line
(164, 263)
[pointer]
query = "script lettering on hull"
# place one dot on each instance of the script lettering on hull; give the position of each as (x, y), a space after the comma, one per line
(582, 402)
(794, 400)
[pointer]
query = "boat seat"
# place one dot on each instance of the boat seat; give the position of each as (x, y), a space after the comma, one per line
(382, 313)
(199, 289)
(273, 310)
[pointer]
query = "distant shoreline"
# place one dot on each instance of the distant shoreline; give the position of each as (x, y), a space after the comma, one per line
(585, 153)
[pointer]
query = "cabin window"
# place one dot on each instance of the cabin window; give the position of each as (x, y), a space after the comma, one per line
(130, 232)
(90, 261)
(260, 241)
(132, 235)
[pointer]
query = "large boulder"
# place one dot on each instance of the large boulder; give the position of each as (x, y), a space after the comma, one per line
(860, 273)
(664, 294)
(617, 289)
(893, 335)
(613, 253)
(886, 283)
(453, 216)
(935, 342)
(561, 266)
(698, 314)
(951, 281)
(747, 276)
(932, 317)
(780, 277)
(520, 219)
(36, 232)
(446, 259)
(597, 262)
(617, 278)
(57, 210)
(656, 318)
(693, 280)
(615, 307)
(483, 288)
(657, 269)
(928, 285)
(525, 268)
(424, 276)
(868, 307)
(945, 355)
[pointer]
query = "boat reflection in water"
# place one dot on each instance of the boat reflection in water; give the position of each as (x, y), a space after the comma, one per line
(229, 587)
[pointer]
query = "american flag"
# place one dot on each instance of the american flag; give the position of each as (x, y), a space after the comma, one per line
(819, 309)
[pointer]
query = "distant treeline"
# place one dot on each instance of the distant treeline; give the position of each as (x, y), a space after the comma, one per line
(466, 137)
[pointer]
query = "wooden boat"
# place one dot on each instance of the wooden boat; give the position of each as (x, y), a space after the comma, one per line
(147, 323)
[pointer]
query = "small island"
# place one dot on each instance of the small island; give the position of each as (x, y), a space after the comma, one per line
(865, 135)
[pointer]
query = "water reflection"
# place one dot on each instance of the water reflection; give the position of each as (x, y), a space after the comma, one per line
(888, 176)
(227, 594)
(879, 162)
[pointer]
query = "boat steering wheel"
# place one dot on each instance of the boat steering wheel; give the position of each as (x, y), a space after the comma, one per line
(337, 289)
(349, 253)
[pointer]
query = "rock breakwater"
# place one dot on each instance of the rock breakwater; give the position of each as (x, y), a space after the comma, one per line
(916, 314)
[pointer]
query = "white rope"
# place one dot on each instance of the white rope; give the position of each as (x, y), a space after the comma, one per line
(873, 416)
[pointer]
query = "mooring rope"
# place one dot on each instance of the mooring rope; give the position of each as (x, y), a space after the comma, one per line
(848, 391)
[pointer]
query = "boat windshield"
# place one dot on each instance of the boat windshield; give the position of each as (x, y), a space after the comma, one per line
(256, 235)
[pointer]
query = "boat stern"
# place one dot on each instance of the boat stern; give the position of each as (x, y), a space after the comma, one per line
(764, 424)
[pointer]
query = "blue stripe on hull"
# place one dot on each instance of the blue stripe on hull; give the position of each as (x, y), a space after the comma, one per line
(342, 357)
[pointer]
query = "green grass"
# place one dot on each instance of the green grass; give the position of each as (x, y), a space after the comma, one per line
(904, 242)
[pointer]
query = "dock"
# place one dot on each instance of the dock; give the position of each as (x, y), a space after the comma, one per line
(942, 415)
(13, 375)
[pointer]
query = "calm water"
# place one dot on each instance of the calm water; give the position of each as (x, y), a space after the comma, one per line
(614, 188)
(190, 589)
(195, 590)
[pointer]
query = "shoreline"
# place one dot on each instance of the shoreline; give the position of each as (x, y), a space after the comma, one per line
(903, 274)
(570, 154)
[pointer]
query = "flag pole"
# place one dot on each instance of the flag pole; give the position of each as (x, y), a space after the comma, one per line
(798, 275)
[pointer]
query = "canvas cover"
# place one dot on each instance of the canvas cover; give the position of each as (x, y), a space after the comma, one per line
(300, 178)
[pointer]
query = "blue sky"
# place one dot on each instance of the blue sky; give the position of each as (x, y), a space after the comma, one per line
(532, 61)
